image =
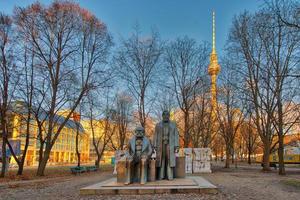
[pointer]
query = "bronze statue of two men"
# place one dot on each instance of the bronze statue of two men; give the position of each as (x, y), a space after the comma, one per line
(166, 145)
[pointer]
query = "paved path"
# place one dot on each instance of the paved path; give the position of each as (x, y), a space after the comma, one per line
(242, 183)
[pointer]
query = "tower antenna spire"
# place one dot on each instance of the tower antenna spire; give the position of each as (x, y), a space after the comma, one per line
(213, 33)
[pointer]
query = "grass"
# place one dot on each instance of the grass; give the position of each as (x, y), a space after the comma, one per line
(292, 182)
(50, 172)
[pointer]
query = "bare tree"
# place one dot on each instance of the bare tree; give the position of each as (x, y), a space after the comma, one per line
(269, 49)
(8, 78)
(137, 60)
(247, 51)
(218, 147)
(164, 99)
(250, 138)
(102, 129)
(185, 62)
(25, 92)
(94, 43)
(200, 119)
(231, 108)
(122, 117)
(54, 33)
(287, 12)
(281, 46)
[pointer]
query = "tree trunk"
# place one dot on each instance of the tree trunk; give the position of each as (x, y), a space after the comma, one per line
(41, 150)
(20, 169)
(98, 162)
(122, 140)
(281, 156)
(3, 170)
(77, 146)
(142, 109)
(280, 136)
(186, 130)
(249, 157)
(21, 163)
(227, 159)
(78, 161)
(232, 153)
(222, 154)
(249, 148)
(43, 163)
(99, 156)
(266, 158)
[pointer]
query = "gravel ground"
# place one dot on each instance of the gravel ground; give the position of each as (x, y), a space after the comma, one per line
(242, 183)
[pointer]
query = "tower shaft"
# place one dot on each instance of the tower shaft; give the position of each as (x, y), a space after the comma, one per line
(213, 71)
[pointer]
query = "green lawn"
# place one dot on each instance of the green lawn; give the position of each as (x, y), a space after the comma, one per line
(50, 172)
(292, 182)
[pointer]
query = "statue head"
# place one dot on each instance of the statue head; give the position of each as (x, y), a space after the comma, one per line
(139, 131)
(166, 116)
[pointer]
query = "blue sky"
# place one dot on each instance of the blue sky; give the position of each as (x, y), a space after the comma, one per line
(172, 18)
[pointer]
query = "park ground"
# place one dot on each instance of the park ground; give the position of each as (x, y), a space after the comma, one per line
(244, 182)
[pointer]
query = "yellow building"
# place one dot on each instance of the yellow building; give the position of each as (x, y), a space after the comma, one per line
(99, 127)
(64, 149)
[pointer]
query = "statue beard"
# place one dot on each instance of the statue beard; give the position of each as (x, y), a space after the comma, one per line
(139, 136)
(166, 120)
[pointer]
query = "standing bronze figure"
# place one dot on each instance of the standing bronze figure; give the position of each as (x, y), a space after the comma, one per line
(166, 145)
(139, 152)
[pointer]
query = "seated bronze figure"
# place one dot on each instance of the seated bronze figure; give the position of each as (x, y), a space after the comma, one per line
(139, 153)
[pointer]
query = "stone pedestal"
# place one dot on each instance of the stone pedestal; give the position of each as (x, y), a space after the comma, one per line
(190, 184)
(152, 170)
(180, 167)
(121, 171)
(119, 155)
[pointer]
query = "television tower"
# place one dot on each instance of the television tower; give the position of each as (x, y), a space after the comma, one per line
(213, 71)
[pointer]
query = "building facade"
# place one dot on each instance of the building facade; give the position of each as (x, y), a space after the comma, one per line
(96, 129)
(64, 150)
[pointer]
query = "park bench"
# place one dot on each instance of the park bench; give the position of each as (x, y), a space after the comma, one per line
(92, 168)
(77, 170)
